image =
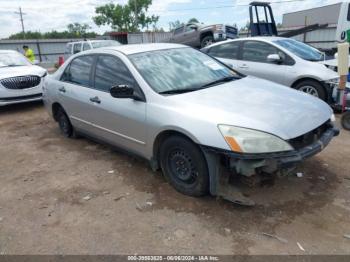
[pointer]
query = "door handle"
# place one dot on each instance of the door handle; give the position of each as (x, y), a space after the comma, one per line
(244, 67)
(62, 89)
(95, 100)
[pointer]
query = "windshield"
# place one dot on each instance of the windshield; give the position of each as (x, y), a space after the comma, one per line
(180, 69)
(300, 49)
(104, 43)
(13, 59)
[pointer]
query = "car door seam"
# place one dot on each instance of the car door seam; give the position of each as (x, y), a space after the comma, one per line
(108, 130)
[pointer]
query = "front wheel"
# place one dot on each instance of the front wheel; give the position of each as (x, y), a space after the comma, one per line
(345, 121)
(312, 88)
(207, 41)
(184, 166)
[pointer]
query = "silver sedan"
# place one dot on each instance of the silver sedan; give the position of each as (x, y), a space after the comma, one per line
(187, 114)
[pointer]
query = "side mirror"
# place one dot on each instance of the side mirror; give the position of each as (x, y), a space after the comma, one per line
(122, 91)
(194, 27)
(336, 56)
(274, 58)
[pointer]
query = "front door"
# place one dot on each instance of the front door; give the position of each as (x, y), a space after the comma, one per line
(254, 62)
(119, 121)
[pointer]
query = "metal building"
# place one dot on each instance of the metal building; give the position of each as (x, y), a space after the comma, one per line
(322, 38)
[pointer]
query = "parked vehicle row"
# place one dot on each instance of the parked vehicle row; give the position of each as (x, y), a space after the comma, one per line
(187, 113)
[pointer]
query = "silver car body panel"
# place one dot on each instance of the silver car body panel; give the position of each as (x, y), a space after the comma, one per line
(282, 74)
(134, 125)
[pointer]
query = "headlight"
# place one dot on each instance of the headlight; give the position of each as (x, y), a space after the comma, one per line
(333, 119)
(333, 81)
(243, 140)
(44, 75)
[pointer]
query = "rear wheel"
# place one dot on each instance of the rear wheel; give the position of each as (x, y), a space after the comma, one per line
(64, 124)
(313, 88)
(184, 166)
(345, 121)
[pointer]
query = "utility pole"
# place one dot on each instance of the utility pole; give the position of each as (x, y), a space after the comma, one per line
(20, 13)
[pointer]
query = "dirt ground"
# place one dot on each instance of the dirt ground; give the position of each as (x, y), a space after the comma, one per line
(59, 196)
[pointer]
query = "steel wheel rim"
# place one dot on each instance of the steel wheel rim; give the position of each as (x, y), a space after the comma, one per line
(309, 90)
(208, 43)
(182, 167)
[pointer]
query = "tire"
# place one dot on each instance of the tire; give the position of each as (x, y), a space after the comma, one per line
(345, 121)
(184, 166)
(64, 124)
(313, 88)
(207, 41)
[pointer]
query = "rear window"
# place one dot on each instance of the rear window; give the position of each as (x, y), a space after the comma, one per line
(229, 50)
(79, 70)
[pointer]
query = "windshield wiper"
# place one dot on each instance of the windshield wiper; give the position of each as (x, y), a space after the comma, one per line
(179, 91)
(222, 80)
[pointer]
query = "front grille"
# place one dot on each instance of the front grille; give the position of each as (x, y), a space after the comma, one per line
(309, 138)
(20, 82)
(231, 32)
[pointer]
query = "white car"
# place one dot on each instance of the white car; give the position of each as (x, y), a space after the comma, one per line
(77, 47)
(281, 60)
(20, 80)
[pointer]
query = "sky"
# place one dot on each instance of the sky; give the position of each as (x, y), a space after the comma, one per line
(47, 15)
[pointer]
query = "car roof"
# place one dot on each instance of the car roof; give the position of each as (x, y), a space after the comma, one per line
(141, 48)
(89, 41)
(259, 38)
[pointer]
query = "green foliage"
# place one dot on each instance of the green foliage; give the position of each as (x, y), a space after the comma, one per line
(75, 30)
(79, 30)
(177, 23)
(193, 20)
(126, 18)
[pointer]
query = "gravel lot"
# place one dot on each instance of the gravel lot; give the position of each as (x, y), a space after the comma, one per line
(59, 196)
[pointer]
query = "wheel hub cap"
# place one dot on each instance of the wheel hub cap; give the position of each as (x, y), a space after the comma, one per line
(309, 90)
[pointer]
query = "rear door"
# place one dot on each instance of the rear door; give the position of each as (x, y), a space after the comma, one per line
(118, 121)
(178, 35)
(190, 36)
(75, 91)
(254, 62)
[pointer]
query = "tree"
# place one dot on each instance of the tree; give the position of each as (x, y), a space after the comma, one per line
(78, 29)
(128, 17)
(175, 24)
(193, 20)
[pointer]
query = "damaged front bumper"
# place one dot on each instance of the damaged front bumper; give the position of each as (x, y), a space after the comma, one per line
(249, 165)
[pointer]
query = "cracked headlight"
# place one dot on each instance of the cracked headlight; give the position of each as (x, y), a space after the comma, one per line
(243, 140)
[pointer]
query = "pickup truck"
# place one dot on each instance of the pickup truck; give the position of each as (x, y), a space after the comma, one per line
(200, 35)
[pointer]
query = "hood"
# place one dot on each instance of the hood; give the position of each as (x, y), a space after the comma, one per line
(6, 72)
(256, 104)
